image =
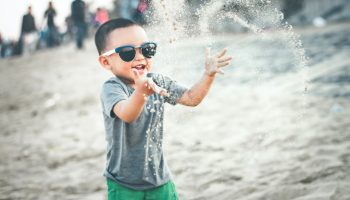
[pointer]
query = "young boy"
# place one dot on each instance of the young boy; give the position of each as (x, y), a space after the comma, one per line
(133, 109)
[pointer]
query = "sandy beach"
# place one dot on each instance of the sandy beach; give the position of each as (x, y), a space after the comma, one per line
(261, 134)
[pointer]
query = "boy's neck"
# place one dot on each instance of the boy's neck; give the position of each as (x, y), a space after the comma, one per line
(127, 81)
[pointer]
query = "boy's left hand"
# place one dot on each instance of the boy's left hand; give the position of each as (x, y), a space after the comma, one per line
(213, 64)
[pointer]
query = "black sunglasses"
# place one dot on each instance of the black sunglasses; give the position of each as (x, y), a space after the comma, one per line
(127, 53)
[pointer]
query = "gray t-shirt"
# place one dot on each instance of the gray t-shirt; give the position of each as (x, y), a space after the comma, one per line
(134, 150)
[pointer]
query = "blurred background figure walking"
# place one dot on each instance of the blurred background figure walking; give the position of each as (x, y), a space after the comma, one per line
(51, 34)
(6, 47)
(29, 36)
(79, 23)
(127, 8)
(139, 14)
(1, 46)
(101, 16)
(135, 10)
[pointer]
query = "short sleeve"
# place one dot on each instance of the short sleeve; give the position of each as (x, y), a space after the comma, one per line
(174, 89)
(112, 93)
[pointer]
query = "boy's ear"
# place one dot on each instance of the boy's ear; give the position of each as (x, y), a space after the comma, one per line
(104, 62)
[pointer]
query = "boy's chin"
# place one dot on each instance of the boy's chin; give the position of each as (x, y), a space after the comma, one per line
(143, 72)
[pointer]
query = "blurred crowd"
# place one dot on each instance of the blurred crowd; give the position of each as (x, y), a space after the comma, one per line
(83, 21)
(80, 24)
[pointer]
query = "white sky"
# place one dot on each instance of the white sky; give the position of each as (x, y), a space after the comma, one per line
(12, 11)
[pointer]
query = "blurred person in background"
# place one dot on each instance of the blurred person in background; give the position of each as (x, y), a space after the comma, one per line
(52, 35)
(140, 12)
(89, 20)
(290, 7)
(6, 47)
(101, 16)
(1, 41)
(132, 9)
(128, 8)
(2, 47)
(29, 36)
(79, 23)
(68, 33)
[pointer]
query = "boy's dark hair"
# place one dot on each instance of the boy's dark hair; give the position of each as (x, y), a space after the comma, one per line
(104, 30)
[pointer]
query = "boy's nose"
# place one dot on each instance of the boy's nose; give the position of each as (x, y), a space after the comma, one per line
(139, 55)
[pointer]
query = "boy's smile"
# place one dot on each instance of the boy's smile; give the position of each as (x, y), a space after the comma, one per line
(132, 36)
(140, 68)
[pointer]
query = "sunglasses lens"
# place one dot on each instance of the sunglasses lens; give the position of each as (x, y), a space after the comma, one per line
(127, 54)
(149, 50)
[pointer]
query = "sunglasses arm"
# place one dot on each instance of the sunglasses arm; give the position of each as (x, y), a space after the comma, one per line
(108, 53)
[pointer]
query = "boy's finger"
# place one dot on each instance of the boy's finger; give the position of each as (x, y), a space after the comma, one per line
(157, 89)
(220, 71)
(225, 59)
(223, 64)
(161, 91)
(219, 55)
(207, 53)
(164, 93)
(152, 85)
(136, 73)
(145, 97)
(154, 88)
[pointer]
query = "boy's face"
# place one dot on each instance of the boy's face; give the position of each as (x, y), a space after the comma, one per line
(134, 36)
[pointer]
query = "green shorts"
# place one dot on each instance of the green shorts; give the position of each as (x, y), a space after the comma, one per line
(119, 192)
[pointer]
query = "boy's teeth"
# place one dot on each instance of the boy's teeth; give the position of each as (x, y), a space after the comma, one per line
(139, 66)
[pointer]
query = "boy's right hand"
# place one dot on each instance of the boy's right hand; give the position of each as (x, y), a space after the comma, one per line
(141, 84)
(146, 86)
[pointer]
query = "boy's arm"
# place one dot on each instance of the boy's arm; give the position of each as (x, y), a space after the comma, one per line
(130, 109)
(199, 90)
